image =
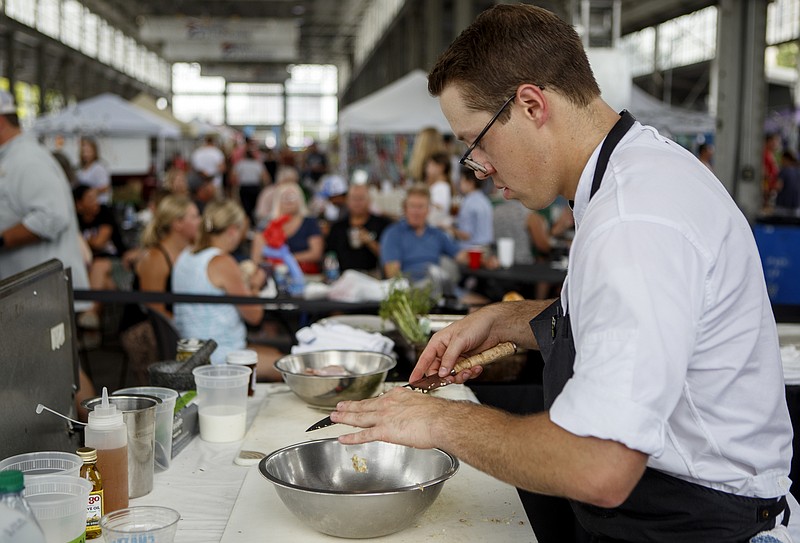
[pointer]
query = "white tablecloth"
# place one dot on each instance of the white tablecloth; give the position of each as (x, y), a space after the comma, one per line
(221, 501)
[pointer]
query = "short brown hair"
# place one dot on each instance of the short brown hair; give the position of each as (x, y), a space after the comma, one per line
(417, 189)
(509, 45)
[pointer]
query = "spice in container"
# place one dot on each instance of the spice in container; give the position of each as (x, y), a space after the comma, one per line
(247, 358)
(94, 510)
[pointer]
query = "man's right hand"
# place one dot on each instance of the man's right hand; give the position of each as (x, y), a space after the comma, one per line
(493, 324)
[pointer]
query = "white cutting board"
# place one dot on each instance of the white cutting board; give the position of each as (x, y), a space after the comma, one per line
(471, 507)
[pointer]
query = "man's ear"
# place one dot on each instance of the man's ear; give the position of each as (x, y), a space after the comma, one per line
(534, 102)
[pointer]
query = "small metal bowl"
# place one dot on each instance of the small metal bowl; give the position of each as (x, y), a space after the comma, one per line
(357, 491)
(366, 374)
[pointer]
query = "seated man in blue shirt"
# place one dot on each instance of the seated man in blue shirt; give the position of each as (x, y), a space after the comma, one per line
(410, 246)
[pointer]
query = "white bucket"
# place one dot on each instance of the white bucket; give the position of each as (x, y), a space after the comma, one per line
(59, 504)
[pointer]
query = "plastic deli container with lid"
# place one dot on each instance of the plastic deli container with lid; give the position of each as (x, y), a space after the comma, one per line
(59, 505)
(165, 415)
(40, 463)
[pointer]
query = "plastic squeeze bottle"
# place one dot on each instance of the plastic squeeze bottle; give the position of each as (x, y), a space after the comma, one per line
(108, 434)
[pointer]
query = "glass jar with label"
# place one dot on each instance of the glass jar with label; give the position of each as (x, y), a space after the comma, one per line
(95, 509)
(187, 347)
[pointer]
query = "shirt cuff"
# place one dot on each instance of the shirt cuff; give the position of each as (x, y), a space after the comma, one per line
(583, 410)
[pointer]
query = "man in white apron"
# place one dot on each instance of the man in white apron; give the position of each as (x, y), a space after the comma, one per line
(666, 419)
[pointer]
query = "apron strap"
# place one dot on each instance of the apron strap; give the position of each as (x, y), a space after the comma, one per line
(622, 126)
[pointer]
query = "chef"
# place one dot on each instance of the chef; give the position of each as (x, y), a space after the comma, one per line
(666, 419)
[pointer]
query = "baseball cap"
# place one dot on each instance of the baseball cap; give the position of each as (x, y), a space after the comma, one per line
(7, 104)
(333, 185)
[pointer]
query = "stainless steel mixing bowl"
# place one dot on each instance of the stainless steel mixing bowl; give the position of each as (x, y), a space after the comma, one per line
(366, 373)
(357, 491)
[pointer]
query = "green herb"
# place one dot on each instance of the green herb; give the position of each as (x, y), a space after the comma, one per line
(184, 400)
(404, 306)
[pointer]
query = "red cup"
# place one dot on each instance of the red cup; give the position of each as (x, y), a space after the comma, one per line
(475, 255)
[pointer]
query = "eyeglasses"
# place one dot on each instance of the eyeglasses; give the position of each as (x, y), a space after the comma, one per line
(466, 160)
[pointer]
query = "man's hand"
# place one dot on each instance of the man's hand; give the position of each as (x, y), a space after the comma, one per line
(400, 416)
(493, 324)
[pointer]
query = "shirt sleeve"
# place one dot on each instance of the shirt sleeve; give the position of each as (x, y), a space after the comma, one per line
(47, 212)
(449, 245)
(390, 246)
(635, 298)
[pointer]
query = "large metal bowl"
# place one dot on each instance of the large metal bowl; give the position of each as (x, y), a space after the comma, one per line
(366, 373)
(357, 491)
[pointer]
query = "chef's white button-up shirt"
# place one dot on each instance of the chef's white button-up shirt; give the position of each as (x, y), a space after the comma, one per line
(676, 346)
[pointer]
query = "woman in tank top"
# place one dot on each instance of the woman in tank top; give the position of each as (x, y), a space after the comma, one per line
(209, 268)
(174, 227)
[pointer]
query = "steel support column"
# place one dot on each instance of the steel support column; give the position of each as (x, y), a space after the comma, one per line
(738, 99)
(10, 47)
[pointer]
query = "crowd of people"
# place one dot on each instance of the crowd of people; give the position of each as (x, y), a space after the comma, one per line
(665, 417)
(213, 210)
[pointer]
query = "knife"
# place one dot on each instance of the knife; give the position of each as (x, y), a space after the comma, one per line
(432, 382)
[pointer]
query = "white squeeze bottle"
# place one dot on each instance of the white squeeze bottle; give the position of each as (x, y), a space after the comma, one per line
(108, 434)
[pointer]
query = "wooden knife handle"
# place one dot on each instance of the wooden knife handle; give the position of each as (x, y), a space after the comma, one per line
(486, 357)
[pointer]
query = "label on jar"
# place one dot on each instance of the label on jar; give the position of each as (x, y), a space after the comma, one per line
(94, 511)
(80, 539)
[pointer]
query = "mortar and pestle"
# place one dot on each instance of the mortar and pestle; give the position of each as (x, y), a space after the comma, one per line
(177, 374)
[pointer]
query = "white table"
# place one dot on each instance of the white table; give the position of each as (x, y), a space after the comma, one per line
(221, 501)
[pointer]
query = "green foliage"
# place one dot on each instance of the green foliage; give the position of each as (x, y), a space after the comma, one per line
(403, 307)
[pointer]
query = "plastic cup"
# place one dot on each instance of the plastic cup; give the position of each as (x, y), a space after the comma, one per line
(354, 235)
(475, 254)
(143, 523)
(505, 252)
(247, 358)
(165, 416)
(222, 402)
(59, 504)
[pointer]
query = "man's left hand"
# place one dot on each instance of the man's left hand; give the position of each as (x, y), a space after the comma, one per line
(400, 416)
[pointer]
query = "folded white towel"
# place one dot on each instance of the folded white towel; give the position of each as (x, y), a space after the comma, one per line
(790, 356)
(337, 336)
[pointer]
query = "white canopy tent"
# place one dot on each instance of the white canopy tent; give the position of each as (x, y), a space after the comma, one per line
(669, 120)
(402, 107)
(612, 71)
(106, 115)
(148, 103)
(122, 130)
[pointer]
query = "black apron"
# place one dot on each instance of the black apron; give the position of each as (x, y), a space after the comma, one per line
(661, 508)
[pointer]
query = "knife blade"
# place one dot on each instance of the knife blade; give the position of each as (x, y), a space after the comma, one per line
(432, 382)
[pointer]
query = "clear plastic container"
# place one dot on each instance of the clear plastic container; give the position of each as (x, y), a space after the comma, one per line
(40, 463)
(165, 415)
(59, 505)
(222, 402)
(153, 524)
